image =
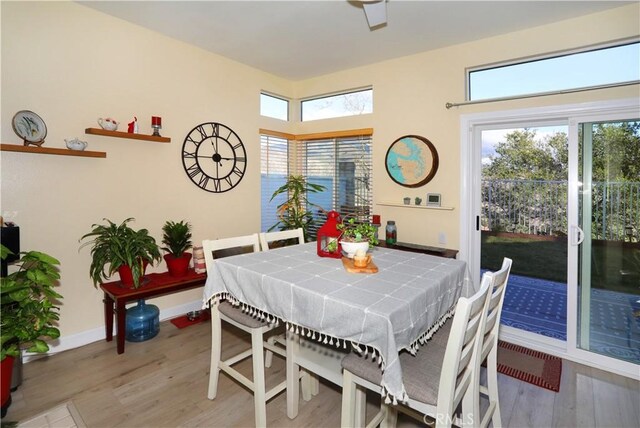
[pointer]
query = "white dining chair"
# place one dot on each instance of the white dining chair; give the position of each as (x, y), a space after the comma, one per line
(283, 235)
(489, 348)
(310, 382)
(224, 311)
(437, 379)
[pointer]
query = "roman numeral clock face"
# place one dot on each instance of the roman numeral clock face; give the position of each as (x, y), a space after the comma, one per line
(214, 157)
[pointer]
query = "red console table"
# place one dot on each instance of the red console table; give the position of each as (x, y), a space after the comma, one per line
(154, 285)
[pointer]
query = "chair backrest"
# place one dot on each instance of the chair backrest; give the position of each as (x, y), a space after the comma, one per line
(498, 286)
(461, 358)
(241, 244)
(267, 237)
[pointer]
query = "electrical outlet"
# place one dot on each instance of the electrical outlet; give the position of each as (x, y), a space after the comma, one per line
(442, 238)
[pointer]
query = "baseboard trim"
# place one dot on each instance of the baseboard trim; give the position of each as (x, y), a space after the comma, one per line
(89, 336)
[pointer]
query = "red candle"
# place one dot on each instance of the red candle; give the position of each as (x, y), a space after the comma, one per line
(376, 219)
(156, 121)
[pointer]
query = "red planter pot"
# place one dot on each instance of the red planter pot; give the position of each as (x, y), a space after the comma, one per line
(178, 266)
(6, 368)
(126, 277)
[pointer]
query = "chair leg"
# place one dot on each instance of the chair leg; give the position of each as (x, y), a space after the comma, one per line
(259, 393)
(216, 346)
(391, 416)
(293, 375)
(348, 400)
(268, 355)
(306, 383)
(492, 385)
(360, 408)
(315, 384)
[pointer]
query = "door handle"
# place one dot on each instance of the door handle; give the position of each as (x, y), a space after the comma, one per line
(577, 235)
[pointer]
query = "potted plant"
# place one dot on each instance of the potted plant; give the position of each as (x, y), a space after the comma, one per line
(356, 236)
(125, 250)
(295, 211)
(177, 240)
(28, 311)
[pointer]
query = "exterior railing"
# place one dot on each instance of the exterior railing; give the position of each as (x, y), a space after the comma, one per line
(539, 207)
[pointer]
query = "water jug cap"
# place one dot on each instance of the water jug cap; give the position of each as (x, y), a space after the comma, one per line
(391, 222)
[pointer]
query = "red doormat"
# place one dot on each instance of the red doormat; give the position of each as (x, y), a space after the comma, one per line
(534, 367)
(183, 321)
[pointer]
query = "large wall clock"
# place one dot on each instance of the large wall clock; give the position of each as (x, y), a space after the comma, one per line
(214, 157)
(411, 161)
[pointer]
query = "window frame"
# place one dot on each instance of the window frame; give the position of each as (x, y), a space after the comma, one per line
(331, 95)
(297, 163)
(276, 97)
(544, 57)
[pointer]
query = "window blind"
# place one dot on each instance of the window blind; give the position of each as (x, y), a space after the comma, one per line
(343, 167)
(274, 170)
(339, 161)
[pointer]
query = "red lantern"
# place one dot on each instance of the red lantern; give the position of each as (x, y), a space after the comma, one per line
(328, 237)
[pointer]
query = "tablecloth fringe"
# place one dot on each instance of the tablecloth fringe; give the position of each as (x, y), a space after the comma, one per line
(392, 399)
(247, 309)
(365, 350)
(424, 337)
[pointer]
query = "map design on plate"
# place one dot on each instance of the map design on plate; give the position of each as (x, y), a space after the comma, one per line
(409, 160)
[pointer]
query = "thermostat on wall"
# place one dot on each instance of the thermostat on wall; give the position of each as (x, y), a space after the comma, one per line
(433, 199)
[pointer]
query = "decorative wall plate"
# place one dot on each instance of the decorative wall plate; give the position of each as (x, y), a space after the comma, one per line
(411, 161)
(30, 127)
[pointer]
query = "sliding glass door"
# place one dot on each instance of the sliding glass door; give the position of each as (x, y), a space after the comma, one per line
(608, 239)
(524, 217)
(577, 225)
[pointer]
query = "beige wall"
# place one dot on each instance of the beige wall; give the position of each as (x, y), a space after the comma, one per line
(410, 94)
(71, 64)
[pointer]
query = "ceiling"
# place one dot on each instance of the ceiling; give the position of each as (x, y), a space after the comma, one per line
(302, 39)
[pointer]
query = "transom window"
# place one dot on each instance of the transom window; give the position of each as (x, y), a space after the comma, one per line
(594, 67)
(275, 107)
(351, 103)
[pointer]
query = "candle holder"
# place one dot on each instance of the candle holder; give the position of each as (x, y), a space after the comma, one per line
(156, 124)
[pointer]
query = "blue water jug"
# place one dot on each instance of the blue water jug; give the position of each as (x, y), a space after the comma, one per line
(143, 322)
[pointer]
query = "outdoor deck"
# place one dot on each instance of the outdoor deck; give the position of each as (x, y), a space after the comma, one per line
(540, 306)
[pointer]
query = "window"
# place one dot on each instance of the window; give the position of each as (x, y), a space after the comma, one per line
(604, 66)
(275, 107)
(341, 164)
(274, 169)
(339, 105)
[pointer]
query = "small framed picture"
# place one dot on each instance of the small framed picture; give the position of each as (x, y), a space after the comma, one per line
(433, 199)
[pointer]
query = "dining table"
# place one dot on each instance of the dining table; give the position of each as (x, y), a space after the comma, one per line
(379, 314)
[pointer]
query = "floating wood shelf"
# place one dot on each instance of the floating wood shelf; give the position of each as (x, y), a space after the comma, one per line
(391, 204)
(51, 151)
(118, 134)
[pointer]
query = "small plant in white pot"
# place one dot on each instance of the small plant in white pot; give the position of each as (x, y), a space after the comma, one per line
(177, 240)
(356, 236)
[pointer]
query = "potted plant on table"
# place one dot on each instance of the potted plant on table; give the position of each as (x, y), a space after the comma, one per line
(28, 311)
(356, 236)
(125, 250)
(295, 211)
(177, 240)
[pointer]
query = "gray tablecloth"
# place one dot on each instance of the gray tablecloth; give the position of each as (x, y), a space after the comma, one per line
(397, 308)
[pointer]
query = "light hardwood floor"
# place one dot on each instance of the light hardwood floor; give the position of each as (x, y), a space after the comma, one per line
(163, 383)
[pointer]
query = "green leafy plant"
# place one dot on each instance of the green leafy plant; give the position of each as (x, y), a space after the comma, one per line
(28, 307)
(176, 237)
(353, 231)
(119, 245)
(295, 212)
